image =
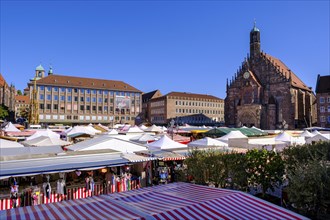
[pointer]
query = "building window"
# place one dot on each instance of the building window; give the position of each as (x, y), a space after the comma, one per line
(111, 109)
(75, 90)
(82, 107)
(105, 92)
(328, 108)
(100, 99)
(62, 89)
(42, 106)
(82, 99)
(49, 88)
(55, 89)
(62, 98)
(94, 108)
(322, 109)
(105, 100)
(111, 93)
(93, 91)
(88, 107)
(82, 90)
(100, 108)
(321, 99)
(41, 97)
(69, 98)
(76, 98)
(56, 97)
(88, 91)
(100, 92)
(69, 90)
(328, 119)
(75, 117)
(93, 99)
(41, 88)
(105, 108)
(55, 106)
(322, 118)
(111, 100)
(88, 99)
(69, 117)
(49, 106)
(48, 97)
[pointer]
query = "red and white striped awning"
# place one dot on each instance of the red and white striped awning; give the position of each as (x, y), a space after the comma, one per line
(170, 201)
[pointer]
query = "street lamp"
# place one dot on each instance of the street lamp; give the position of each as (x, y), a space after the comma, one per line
(172, 127)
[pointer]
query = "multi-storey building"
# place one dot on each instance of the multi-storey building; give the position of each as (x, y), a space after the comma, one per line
(323, 100)
(7, 97)
(193, 109)
(265, 93)
(146, 97)
(22, 105)
(73, 100)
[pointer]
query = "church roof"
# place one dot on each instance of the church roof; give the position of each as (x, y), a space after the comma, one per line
(296, 82)
(80, 82)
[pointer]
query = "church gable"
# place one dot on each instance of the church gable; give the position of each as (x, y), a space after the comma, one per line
(286, 72)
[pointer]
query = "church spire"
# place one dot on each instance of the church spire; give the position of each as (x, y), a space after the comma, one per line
(254, 41)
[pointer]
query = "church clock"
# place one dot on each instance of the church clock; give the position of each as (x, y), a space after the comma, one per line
(246, 75)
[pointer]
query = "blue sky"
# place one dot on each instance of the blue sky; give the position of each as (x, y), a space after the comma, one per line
(186, 46)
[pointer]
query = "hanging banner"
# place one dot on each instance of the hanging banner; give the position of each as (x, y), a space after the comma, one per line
(123, 102)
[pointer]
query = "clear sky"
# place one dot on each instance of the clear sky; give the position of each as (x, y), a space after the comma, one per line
(185, 46)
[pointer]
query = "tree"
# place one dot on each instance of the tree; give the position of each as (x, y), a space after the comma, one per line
(264, 168)
(19, 92)
(3, 112)
(308, 170)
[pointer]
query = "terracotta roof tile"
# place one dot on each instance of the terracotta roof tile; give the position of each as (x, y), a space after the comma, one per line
(80, 82)
(296, 82)
(192, 95)
(2, 80)
(22, 98)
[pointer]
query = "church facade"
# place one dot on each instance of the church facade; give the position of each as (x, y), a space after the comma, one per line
(266, 94)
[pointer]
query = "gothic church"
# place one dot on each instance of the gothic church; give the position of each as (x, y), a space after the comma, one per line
(266, 94)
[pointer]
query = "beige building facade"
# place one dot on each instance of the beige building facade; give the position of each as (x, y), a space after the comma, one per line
(186, 108)
(77, 100)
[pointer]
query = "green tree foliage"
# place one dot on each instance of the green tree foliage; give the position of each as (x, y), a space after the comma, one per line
(264, 168)
(308, 170)
(3, 112)
(19, 92)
